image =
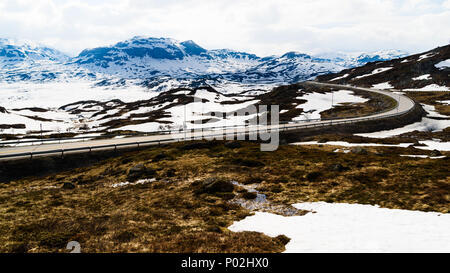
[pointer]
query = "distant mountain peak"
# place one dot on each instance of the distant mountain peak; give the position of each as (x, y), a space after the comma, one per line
(191, 48)
(13, 50)
(294, 54)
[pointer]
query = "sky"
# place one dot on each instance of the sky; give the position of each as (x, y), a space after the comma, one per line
(264, 27)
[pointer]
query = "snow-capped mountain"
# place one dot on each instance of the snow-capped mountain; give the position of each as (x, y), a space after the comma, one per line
(290, 67)
(152, 62)
(150, 58)
(18, 51)
(144, 58)
(32, 62)
(361, 58)
(427, 71)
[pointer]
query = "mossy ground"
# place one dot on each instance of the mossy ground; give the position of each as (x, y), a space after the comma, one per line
(169, 215)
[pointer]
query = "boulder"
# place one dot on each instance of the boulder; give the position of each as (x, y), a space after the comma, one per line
(249, 195)
(68, 186)
(159, 157)
(358, 150)
(139, 171)
(215, 185)
(233, 144)
(435, 153)
(337, 168)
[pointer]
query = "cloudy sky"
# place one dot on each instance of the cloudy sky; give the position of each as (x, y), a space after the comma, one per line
(264, 27)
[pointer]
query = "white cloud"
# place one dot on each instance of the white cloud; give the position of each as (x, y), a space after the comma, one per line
(262, 27)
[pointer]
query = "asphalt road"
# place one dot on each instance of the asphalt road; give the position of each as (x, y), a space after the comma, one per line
(404, 104)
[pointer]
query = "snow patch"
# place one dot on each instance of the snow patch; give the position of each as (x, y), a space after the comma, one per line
(139, 182)
(340, 227)
(143, 127)
(422, 78)
(341, 77)
(375, 71)
(348, 144)
(431, 111)
(425, 125)
(381, 86)
(318, 102)
(424, 156)
(430, 87)
(443, 64)
(425, 56)
(434, 145)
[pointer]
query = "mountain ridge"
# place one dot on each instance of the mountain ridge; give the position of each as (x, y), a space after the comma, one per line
(149, 59)
(426, 71)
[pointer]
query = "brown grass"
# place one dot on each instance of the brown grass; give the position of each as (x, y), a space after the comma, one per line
(37, 215)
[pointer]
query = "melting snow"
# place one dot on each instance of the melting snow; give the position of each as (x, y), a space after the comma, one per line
(341, 77)
(142, 181)
(347, 144)
(430, 87)
(443, 64)
(341, 227)
(384, 85)
(317, 102)
(143, 127)
(432, 111)
(376, 71)
(425, 125)
(424, 156)
(423, 77)
(434, 145)
(425, 56)
(56, 94)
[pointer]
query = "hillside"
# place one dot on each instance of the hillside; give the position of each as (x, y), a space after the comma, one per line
(428, 71)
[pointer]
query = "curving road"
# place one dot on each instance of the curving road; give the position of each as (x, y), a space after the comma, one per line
(404, 104)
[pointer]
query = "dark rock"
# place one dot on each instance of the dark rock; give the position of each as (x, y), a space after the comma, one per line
(159, 157)
(199, 145)
(359, 150)
(276, 188)
(247, 162)
(215, 185)
(171, 173)
(233, 144)
(337, 168)
(68, 186)
(137, 168)
(435, 153)
(249, 195)
(313, 176)
(12, 126)
(225, 195)
(252, 180)
(3, 110)
(139, 172)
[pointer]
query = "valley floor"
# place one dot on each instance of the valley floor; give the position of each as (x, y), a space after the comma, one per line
(191, 197)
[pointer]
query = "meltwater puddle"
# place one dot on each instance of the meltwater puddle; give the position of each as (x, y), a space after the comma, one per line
(260, 203)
